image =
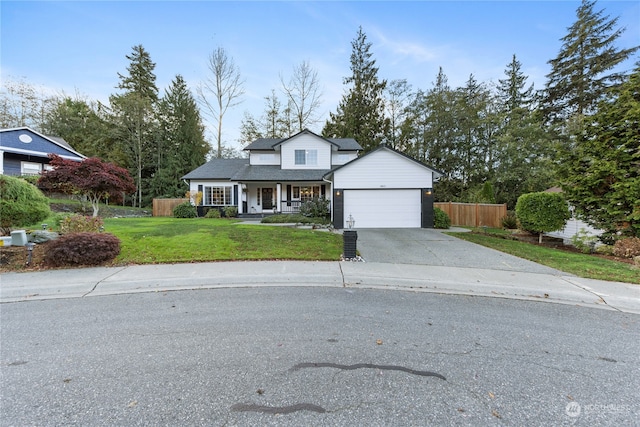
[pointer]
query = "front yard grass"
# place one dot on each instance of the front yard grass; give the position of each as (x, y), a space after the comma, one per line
(582, 265)
(166, 240)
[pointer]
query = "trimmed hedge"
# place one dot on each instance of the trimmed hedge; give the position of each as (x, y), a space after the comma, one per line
(542, 212)
(82, 249)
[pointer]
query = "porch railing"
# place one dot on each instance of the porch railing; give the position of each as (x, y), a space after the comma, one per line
(290, 206)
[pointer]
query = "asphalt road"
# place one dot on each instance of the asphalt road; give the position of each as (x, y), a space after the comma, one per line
(315, 356)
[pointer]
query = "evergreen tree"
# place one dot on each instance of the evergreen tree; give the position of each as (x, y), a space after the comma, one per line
(180, 142)
(360, 114)
(133, 116)
(82, 124)
(473, 129)
(523, 163)
(583, 69)
(601, 176)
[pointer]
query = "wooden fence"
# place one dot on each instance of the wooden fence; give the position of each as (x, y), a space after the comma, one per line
(164, 207)
(474, 214)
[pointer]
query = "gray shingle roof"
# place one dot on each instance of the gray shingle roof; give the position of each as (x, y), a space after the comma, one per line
(269, 144)
(217, 169)
(241, 170)
(274, 173)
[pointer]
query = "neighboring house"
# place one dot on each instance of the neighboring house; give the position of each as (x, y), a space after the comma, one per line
(24, 151)
(573, 225)
(383, 188)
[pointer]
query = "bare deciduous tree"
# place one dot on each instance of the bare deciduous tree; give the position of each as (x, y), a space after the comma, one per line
(303, 95)
(221, 90)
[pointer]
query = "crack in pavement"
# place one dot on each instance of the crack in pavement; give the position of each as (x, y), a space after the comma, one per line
(591, 292)
(250, 407)
(367, 365)
(102, 280)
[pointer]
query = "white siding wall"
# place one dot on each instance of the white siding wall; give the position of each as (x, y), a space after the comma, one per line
(383, 169)
(341, 157)
(571, 228)
(264, 158)
(306, 142)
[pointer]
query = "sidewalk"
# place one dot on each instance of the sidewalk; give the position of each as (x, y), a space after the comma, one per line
(100, 281)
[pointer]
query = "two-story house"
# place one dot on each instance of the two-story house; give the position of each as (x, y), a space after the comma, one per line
(381, 189)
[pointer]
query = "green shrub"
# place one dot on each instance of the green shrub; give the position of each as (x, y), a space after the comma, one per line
(230, 211)
(82, 249)
(213, 213)
(81, 223)
(542, 212)
(185, 210)
(316, 207)
(627, 248)
(441, 219)
(21, 203)
(509, 221)
(604, 250)
(293, 219)
(584, 242)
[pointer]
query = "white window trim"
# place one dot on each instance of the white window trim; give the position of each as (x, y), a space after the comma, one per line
(30, 168)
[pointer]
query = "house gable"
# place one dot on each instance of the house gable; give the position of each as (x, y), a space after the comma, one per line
(384, 168)
(29, 142)
(24, 151)
(323, 153)
(306, 151)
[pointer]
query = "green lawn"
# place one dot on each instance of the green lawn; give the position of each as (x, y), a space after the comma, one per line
(581, 265)
(165, 240)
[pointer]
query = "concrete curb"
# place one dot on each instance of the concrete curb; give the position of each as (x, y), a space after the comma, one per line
(102, 281)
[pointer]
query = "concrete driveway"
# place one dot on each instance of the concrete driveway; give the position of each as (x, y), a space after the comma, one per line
(423, 246)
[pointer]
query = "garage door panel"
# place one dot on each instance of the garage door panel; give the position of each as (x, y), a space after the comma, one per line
(383, 208)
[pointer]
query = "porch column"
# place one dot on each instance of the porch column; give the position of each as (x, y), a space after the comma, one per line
(1, 162)
(278, 197)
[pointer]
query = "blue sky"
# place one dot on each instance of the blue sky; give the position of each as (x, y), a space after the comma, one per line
(80, 46)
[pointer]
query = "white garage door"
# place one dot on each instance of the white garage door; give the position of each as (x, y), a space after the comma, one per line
(383, 208)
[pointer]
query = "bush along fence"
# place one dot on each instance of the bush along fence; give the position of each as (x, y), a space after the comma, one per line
(474, 214)
(164, 207)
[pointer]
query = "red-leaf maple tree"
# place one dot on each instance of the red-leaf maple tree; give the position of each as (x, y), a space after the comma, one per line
(92, 177)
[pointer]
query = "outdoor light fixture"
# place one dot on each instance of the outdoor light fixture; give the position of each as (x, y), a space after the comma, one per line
(30, 247)
(428, 192)
(351, 222)
(337, 193)
(44, 226)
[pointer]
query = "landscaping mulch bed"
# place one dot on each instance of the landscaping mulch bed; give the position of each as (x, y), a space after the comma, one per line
(14, 258)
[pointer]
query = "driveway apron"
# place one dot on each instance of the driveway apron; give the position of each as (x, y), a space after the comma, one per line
(421, 246)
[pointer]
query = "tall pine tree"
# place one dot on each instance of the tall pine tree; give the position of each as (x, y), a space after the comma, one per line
(601, 177)
(360, 114)
(180, 142)
(523, 163)
(584, 67)
(134, 112)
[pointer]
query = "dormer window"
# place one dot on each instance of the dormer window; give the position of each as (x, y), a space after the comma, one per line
(306, 157)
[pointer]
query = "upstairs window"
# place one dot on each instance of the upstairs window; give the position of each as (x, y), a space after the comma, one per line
(306, 157)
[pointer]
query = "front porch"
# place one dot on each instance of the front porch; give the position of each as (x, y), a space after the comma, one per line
(272, 197)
